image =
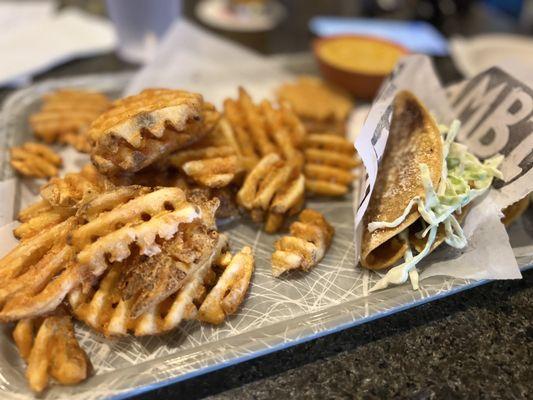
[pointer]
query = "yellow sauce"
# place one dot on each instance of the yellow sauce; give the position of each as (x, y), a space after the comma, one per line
(360, 55)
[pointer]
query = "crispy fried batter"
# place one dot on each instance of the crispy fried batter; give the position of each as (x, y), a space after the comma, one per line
(228, 293)
(260, 129)
(272, 190)
(106, 310)
(66, 115)
(35, 160)
(212, 162)
(309, 239)
(320, 106)
(50, 349)
(139, 130)
(329, 161)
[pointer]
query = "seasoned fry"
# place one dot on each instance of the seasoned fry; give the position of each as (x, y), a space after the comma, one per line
(107, 238)
(80, 141)
(50, 349)
(112, 310)
(61, 197)
(329, 161)
(38, 273)
(74, 188)
(35, 160)
(272, 190)
(261, 129)
(44, 268)
(142, 129)
(228, 293)
(321, 106)
(43, 220)
(66, 115)
(213, 162)
(309, 239)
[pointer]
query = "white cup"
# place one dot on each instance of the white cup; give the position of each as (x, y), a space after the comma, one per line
(140, 24)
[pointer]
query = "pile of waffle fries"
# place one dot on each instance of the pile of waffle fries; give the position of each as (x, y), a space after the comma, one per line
(129, 244)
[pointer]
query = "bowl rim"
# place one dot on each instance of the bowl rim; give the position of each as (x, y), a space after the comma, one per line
(318, 42)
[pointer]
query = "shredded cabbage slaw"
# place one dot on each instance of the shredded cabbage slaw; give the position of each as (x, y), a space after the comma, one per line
(463, 179)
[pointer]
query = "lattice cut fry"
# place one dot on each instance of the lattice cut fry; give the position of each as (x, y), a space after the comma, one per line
(329, 163)
(261, 129)
(229, 291)
(140, 221)
(35, 160)
(212, 162)
(61, 198)
(75, 188)
(50, 349)
(66, 115)
(110, 309)
(46, 218)
(309, 239)
(272, 190)
(38, 273)
(142, 129)
(320, 106)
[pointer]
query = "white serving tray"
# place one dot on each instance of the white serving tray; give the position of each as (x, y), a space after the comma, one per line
(277, 313)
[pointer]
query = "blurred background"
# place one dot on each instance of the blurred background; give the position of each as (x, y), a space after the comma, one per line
(64, 37)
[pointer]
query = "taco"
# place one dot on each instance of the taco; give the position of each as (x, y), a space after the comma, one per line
(515, 210)
(424, 187)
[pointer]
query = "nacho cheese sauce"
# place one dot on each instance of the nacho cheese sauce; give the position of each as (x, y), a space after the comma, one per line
(360, 55)
(463, 179)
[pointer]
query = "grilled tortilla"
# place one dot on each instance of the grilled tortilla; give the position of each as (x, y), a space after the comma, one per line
(414, 139)
(514, 211)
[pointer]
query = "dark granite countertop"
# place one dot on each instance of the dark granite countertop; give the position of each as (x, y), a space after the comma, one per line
(476, 344)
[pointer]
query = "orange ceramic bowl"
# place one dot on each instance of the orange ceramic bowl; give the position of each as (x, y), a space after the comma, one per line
(356, 63)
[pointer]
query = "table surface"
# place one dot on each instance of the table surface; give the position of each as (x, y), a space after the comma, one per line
(476, 344)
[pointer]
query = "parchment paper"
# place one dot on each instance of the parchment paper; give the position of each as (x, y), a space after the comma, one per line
(494, 110)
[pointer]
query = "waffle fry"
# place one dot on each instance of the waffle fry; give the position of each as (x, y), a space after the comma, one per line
(271, 191)
(61, 197)
(142, 129)
(38, 273)
(107, 310)
(75, 188)
(66, 115)
(212, 162)
(35, 160)
(153, 214)
(229, 291)
(329, 161)
(47, 218)
(80, 141)
(50, 349)
(309, 239)
(320, 106)
(261, 129)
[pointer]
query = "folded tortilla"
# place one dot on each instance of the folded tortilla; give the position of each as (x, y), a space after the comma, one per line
(414, 139)
(514, 211)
